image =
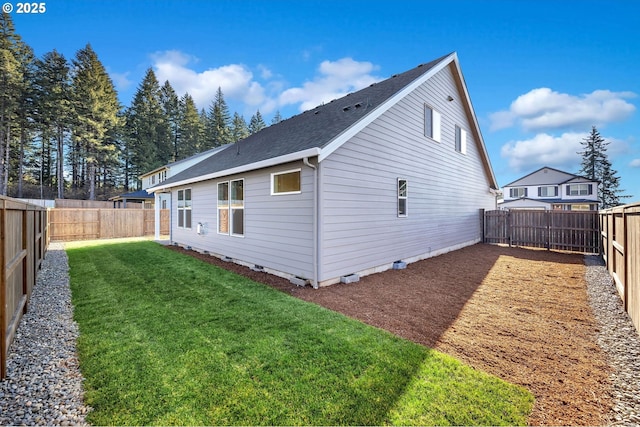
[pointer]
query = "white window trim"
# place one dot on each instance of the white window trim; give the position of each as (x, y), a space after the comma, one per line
(184, 209)
(399, 197)
(463, 140)
(218, 209)
(228, 209)
(436, 123)
(273, 193)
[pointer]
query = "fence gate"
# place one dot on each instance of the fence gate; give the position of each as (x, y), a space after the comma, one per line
(575, 231)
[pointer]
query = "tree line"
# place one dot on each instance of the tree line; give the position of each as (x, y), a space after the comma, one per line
(65, 134)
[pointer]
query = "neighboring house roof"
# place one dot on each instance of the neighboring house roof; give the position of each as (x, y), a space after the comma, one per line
(557, 201)
(540, 177)
(135, 195)
(204, 154)
(320, 131)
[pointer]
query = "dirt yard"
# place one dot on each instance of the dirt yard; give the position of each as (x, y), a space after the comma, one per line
(519, 314)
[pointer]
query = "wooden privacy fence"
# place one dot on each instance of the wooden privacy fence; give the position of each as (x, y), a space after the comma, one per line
(23, 243)
(86, 224)
(576, 231)
(621, 250)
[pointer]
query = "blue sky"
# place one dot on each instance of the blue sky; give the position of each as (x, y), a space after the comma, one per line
(540, 73)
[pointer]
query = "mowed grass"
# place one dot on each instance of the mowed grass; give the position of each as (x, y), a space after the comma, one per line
(166, 339)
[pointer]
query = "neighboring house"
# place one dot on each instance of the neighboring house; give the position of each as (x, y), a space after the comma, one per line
(387, 175)
(551, 189)
(141, 196)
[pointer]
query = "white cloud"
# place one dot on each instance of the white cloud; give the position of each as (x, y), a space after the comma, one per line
(121, 80)
(544, 109)
(635, 163)
(236, 80)
(335, 79)
(544, 150)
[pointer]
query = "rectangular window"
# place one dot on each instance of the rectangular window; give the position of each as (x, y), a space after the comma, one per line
(184, 208)
(223, 207)
(237, 207)
(153, 179)
(432, 121)
(548, 191)
(579, 189)
(402, 197)
(516, 193)
(461, 140)
(285, 182)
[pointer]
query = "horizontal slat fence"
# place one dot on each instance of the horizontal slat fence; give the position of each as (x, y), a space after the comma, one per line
(621, 251)
(576, 231)
(23, 244)
(87, 224)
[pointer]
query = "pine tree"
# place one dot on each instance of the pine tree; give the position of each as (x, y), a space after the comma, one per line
(96, 111)
(596, 166)
(171, 107)
(218, 129)
(53, 105)
(256, 124)
(277, 118)
(239, 129)
(191, 128)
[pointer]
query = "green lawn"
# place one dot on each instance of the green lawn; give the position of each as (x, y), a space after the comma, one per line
(166, 339)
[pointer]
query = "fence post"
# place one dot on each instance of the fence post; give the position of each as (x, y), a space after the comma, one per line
(3, 292)
(482, 225)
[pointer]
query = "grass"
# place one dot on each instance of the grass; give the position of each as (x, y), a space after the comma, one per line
(166, 339)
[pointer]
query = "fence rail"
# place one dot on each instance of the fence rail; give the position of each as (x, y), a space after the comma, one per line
(86, 224)
(557, 230)
(23, 244)
(621, 251)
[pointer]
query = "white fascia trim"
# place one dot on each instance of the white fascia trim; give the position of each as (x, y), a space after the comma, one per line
(377, 112)
(291, 157)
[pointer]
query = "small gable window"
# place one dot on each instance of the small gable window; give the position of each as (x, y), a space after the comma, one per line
(184, 208)
(432, 121)
(461, 140)
(402, 197)
(285, 182)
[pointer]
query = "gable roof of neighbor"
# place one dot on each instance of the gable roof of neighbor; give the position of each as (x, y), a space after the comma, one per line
(540, 177)
(320, 131)
(181, 161)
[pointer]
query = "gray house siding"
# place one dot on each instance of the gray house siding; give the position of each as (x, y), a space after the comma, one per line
(360, 227)
(278, 230)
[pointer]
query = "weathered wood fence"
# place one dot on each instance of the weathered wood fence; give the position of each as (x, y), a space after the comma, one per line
(86, 224)
(576, 231)
(23, 244)
(621, 250)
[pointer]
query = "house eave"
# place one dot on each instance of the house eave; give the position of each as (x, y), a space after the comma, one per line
(274, 161)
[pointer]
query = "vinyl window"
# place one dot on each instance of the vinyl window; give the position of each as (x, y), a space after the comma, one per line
(461, 140)
(432, 120)
(402, 197)
(515, 193)
(231, 207)
(579, 189)
(184, 208)
(287, 182)
(548, 191)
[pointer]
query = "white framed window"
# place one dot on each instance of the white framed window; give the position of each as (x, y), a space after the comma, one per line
(153, 179)
(184, 208)
(223, 207)
(432, 122)
(287, 182)
(518, 192)
(403, 197)
(231, 207)
(579, 189)
(461, 140)
(548, 191)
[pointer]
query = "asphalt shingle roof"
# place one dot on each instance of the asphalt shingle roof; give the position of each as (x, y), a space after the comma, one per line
(313, 128)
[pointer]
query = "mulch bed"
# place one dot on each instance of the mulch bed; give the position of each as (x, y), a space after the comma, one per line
(520, 314)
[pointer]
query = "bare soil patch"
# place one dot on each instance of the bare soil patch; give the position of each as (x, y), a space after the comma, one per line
(522, 315)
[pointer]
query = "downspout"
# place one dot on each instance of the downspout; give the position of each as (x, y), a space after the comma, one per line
(315, 222)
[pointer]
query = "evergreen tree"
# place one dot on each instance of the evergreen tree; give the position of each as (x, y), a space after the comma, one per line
(218, 129)
(148, 131)
(239, 129)
(256, 124)
(596, 166)
(191, 128)
(96, 112)
(53, 105)
(171, 107)
(277, 118)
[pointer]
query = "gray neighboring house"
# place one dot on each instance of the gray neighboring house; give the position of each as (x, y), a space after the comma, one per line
(391, 174)
(551, 189)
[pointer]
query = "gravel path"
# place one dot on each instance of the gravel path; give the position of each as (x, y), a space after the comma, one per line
(44, 385)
